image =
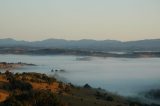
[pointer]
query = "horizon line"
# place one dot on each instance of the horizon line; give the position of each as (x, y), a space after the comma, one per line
(80, 39)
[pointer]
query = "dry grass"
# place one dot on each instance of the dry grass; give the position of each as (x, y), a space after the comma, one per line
(3, 95)
(73, 96)
(3, 78)
(45, 86)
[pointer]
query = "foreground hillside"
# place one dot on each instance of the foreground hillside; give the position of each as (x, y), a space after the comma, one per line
(34, 89)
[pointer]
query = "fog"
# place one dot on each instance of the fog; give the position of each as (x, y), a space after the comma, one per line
(124, 76)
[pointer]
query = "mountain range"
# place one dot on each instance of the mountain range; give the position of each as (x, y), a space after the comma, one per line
(87, 44)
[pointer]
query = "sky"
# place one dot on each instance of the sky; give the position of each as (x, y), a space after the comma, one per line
(123, 20)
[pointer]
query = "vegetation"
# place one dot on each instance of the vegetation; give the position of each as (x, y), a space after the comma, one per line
(22, 92)
(9, 66)
(137, 53)
(87, 86)
(34, 89)
(153, 94)
(32, 98)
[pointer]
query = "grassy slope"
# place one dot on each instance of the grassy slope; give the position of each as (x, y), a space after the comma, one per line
(68, 94)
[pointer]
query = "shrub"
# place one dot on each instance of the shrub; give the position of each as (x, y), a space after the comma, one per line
(87, 86)
(32, 98)
(154, 94)
(17, 84)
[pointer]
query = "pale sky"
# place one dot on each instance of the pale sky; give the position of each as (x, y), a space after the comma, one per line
(80, 19)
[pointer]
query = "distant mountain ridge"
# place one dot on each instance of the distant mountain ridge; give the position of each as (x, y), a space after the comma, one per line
(87, 44)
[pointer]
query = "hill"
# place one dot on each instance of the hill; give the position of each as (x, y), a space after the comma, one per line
(87, 44)
(34, 89)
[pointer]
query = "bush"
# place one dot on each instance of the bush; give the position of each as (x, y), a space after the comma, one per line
(109, 98)
(87, 86)
(17, 84)
(154, 94)
(32, 98)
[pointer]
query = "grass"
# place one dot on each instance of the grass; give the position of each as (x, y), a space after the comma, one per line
(34, 89)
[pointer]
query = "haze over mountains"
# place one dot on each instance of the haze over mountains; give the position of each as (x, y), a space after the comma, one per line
(87, 44)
